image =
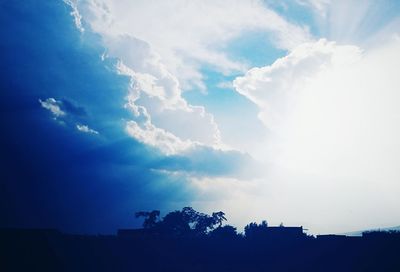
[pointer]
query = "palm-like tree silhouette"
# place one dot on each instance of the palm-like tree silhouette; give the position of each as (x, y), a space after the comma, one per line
(218, 218)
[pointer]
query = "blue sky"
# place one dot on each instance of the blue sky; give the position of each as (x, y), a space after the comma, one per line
(257, 108)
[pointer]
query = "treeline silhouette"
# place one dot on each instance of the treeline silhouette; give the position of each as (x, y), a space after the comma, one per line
(187, 240)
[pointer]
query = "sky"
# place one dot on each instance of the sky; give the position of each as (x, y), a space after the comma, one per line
(280, 110)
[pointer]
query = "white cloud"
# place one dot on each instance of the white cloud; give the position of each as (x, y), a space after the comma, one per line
(151, 135)
(161, 99)
(162, 46)
(86, 129)
(53, 106)
(275, 88)
(332, 150)
(146, 132)
(187, 34)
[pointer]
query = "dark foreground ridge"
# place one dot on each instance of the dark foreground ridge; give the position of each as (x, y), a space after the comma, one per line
(187, 240)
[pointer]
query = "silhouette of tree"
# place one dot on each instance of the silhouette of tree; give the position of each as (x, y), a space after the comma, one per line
(218, 217)
(187, 221)
(225, 232)
(254, 230)
(150, 218)
(176, 223)
(184, 222)
(203, 224)
(264, 224)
